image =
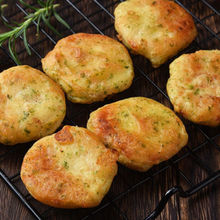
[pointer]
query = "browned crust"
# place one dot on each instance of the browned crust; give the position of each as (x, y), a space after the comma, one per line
(193, 86)
(27, 100)
(64, 136)
(89, 67)
(67, 173)
(168, 28)
(141, 138)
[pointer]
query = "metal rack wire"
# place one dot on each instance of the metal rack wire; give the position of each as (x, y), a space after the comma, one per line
(101, 21)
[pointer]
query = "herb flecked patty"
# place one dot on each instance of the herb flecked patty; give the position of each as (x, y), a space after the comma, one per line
(194, 86)
(31, 105)
(89, 67)
(156, 29)
(69, 169)
(143, 131)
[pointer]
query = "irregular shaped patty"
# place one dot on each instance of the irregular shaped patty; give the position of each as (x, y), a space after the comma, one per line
(194, 86)
(31, 105)
(89, 67)
(143, 131)
(69, 169)
(156, 29)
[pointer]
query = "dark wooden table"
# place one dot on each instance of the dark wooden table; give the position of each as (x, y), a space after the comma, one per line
(144, 197)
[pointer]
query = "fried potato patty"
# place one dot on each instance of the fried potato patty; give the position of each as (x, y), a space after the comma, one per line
(69, 169)
(31, 105)
(194, 86)
(143, 131)
(156, 29)
(89, 67)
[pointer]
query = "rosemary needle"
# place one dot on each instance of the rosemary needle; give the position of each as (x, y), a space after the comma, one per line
(43, 13)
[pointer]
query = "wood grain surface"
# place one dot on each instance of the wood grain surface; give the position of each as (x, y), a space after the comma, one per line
(148, 188)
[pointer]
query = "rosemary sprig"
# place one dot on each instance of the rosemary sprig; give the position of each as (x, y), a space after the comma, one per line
(46, 10)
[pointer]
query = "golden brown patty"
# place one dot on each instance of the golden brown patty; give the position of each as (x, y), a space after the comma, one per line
(89, 67)
(69, 169)
(143, 131)
(156, 29)
(194, 86)
(31, 105)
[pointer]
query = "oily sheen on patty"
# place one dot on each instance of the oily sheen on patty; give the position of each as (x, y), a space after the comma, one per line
(69, 169)
(89, 67)
(143, 131)
(156, 29)
(31, 105)
(194, 86)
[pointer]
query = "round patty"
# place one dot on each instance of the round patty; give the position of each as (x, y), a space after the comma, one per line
(69, 169)
(31, 105)
(143, 131)
(194, 86)
(156, 29)
(89, 67)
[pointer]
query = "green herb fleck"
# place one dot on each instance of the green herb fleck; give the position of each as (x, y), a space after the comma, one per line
(82, 75)
(125, 115)
(208, 79)
(155, 126)
(69, 155)
(27, 131)
(143, 145)
(31, 110)
(25, 115)
(34, 91)
(89, 83)
(65, 164)
(121, 61)
(51, 108)
(81, 148)
(126, 67)
(86, 185)
(111, 76)
(116, 86)
(191, 86)
(197, 91)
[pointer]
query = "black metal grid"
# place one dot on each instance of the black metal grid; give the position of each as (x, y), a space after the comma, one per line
(103, 10)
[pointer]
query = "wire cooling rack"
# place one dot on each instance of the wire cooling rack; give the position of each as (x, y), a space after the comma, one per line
(149, 82)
